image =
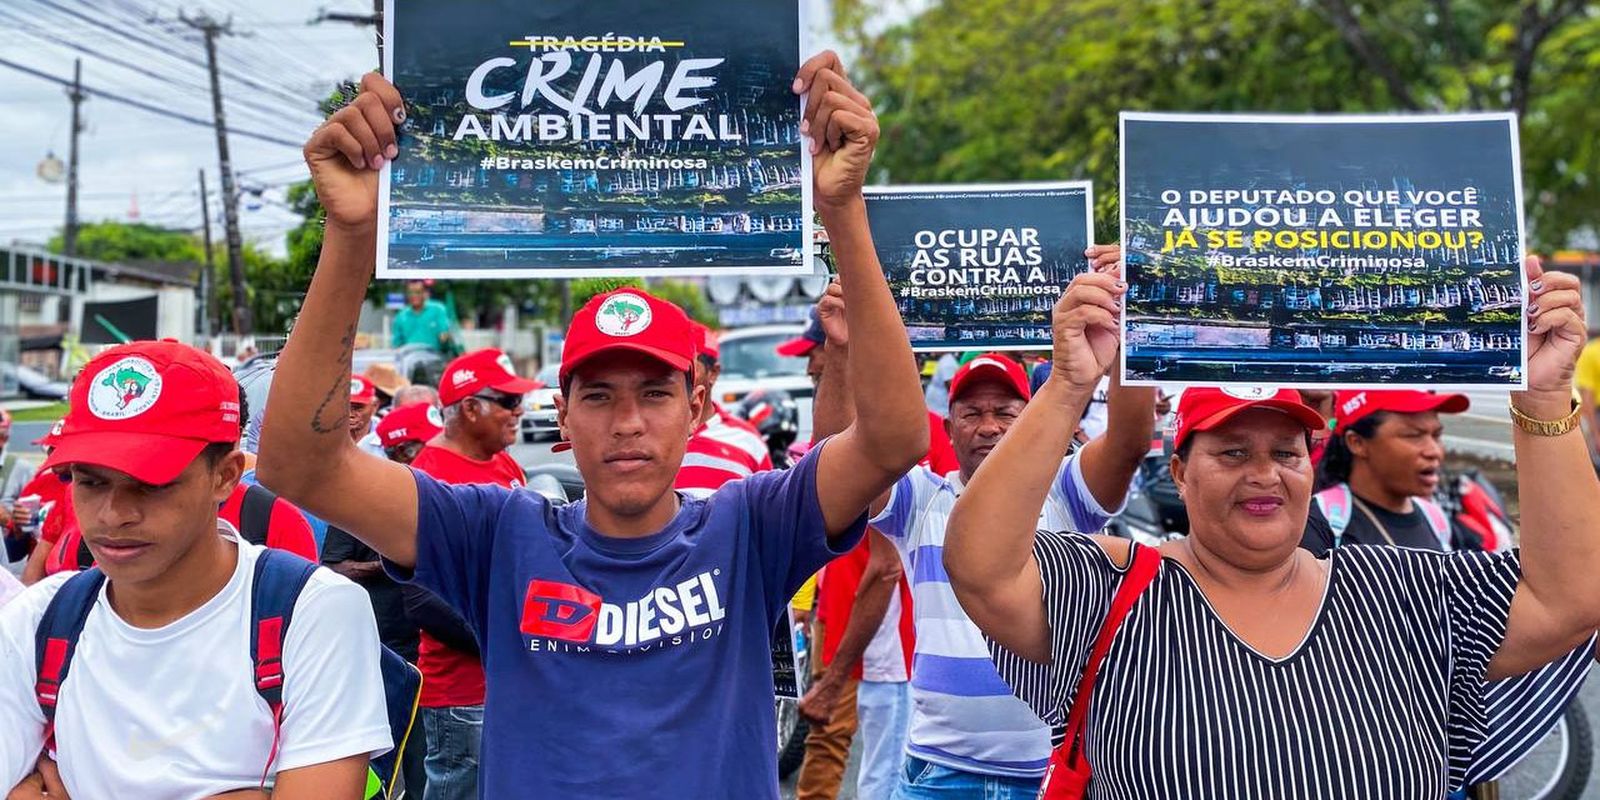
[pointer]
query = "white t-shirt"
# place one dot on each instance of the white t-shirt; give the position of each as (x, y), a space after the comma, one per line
(884, 660)
(172, 713)
(9, 587)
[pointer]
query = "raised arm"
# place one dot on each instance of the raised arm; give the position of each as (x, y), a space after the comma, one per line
(988, 549)
(889, 433)
(879, 581)
(1110, 459)
(1557, 604)
(833, 410)
(306, 455)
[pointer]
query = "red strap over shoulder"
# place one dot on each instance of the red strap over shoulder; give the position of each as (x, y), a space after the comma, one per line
(1067, 777)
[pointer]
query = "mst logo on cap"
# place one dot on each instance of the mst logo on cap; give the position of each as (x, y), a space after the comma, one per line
(1249, 392)
(435, 418)
(1354, 404)
(125, 389)
(623, 315)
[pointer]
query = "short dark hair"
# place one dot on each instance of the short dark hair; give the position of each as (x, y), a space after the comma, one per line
(217, 451)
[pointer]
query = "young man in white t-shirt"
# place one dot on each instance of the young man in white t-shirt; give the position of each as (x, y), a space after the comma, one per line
(161, 701)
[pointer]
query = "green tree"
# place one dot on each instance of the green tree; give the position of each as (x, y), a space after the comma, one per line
(985, 90)
(128, 242)
(685, 295)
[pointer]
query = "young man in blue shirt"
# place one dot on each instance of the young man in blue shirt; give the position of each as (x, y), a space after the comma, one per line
(624, 638)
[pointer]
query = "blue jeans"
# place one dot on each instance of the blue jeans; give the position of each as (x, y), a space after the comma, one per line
(884, 712)
(925, 780)
(454, 735)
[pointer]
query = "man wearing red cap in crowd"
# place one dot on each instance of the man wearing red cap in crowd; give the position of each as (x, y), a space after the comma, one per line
(1385, 460)
(259, 516)
(402, 432)
(363, 406)
(482, 416)
(161, 700)
(724, 448)
(635, 615)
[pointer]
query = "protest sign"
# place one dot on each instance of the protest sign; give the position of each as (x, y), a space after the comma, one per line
(575, 139)
(1315, 251)
(979, 267)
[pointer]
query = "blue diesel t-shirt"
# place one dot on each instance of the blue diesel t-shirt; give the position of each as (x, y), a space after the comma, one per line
(626, 668)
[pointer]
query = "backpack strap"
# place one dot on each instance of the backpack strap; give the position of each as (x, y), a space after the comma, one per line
(1438, 521)
(56, 639)
(279, 579)
(1069, 754)
(255, 514)
(1335, 505)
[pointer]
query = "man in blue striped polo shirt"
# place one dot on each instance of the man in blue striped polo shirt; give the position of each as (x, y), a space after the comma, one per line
(970, 737)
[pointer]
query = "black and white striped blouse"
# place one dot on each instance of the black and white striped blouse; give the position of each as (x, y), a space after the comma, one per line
(1383, 698)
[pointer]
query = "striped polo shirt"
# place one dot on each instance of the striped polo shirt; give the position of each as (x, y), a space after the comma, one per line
(724, 449)
(963, 715)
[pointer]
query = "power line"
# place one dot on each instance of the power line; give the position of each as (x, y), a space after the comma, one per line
(255, 110)
(133, 37)
(143, 106)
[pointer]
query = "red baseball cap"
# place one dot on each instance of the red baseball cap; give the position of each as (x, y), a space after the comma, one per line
(991, 366)
(808, 339)
(1351, 407)
(705, 341)
(414, 422)
(362, 390)
(147, 409)
(478, 370)
(1203, 408)
(49, 438)
(630, 319)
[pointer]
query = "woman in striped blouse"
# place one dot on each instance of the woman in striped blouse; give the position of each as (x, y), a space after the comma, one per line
(1250, 668)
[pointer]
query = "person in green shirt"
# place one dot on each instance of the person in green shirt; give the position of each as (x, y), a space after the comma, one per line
(423, 321)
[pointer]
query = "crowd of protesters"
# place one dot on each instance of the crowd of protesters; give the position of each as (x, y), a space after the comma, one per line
(973, 627)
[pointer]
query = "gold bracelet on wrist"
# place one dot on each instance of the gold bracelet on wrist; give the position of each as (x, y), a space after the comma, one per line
(1540, 427)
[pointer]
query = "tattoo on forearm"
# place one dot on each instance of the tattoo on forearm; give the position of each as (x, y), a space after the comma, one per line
(339, 389)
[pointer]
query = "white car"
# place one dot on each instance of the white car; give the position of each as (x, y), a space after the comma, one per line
(539, 405)
(750, 361)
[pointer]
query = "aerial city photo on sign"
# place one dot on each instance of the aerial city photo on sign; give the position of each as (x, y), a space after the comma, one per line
(1323, 250)
(578, 139)
(980, 266)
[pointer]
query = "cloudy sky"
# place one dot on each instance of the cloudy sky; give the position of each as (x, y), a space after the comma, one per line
(135, 159)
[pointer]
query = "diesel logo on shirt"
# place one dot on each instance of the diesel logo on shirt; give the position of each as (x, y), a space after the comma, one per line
(571, 613)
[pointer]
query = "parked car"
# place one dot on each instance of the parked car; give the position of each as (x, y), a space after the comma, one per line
(539, 406)
(750, 361)
(32, 383)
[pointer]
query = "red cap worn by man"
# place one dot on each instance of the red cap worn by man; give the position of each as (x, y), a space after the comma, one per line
(409, 426)
(481, 396)
(151, 443)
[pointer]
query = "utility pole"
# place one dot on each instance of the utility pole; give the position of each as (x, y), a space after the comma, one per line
(69, 235)
(208, 275)
(211, 29)
(375, 19)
